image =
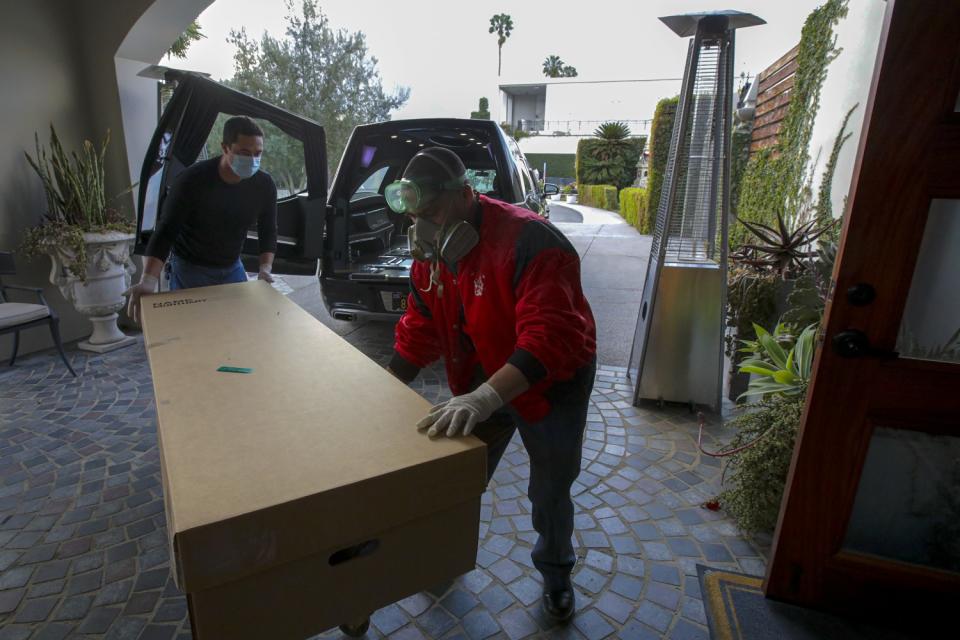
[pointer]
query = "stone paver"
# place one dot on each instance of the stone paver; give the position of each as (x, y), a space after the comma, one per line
(83, 544)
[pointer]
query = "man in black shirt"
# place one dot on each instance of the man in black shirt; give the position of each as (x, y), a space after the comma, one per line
(206, 215)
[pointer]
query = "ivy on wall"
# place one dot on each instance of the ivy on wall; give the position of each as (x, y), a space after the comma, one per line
(824, 204)
(775, 179)
(739, 156)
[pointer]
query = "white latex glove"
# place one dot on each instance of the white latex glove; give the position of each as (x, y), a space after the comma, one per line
(461, 414)
(265, 273)
(146, 286)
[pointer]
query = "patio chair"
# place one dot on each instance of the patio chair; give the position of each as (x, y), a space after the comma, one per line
(17, 316)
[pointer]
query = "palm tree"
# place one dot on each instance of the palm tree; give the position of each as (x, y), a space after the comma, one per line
(553, 67)
(569, 72)
(502, 24)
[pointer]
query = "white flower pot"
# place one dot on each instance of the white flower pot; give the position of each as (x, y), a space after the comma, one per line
(109, 273)
(572, 198)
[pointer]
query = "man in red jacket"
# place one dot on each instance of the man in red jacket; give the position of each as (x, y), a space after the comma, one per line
(495, 290)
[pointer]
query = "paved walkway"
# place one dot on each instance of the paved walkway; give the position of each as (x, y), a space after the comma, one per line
(83, 546)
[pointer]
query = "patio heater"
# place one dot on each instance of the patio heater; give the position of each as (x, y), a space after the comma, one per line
(677, 353)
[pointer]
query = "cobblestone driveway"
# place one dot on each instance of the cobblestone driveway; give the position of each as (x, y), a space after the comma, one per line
(83, 547)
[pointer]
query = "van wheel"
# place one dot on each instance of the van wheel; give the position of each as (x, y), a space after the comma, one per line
(356, 630)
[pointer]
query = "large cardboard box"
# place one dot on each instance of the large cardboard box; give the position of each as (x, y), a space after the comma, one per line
(299, 496)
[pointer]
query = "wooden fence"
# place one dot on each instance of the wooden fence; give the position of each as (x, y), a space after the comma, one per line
(773, 98)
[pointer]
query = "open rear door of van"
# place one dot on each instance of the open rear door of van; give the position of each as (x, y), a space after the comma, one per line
(295, 155)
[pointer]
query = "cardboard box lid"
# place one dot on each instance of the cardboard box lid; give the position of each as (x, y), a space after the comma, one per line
(313, 450)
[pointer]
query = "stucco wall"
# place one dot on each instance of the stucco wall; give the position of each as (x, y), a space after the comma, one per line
(847, 84)
(59, 67)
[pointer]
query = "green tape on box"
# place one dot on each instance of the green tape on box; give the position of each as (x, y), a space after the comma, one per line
(226, 369)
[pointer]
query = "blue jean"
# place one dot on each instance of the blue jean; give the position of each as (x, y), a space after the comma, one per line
(187, 275)
(554, 445)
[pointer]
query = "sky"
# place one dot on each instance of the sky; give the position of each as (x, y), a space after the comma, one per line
(443, 52)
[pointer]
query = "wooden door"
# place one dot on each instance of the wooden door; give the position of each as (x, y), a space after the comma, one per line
(871, 515)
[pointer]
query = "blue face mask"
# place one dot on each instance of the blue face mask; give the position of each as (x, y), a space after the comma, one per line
(245, 166)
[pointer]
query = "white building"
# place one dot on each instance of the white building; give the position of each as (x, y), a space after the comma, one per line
(557, 112)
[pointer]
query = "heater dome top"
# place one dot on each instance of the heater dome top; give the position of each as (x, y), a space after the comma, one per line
(685, 24)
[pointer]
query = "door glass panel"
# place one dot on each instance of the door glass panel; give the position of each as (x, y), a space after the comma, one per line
(283, 156)
(908, 502)
(930, 328)
(371, 184)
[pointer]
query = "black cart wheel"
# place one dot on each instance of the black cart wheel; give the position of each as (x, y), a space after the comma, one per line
(356, 630)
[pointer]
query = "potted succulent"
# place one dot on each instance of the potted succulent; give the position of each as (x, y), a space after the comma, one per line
(88, 241)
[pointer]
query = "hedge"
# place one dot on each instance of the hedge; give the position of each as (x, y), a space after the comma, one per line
(660, 133)
(633, 208)
(602, 196)
(559, 165)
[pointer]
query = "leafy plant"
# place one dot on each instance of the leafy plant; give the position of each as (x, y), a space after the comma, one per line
(751, 298)
(179, 47)
(784, 249)
(74, 185)
(553, 67)
(758, 473)
(502, 25)
(807, 301)
(783, 363)
(612, 131)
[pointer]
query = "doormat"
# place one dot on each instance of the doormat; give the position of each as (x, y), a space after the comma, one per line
(737, 610)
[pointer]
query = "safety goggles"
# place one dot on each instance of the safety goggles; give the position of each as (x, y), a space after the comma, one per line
(409, 196)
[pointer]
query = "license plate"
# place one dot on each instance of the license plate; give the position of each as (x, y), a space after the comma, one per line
(394, 300)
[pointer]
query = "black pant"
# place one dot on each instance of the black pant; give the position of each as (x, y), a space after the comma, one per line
(554, 445)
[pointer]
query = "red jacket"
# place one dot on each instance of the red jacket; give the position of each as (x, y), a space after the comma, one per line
(516, 297)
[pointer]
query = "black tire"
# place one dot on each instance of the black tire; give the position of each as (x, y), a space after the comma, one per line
(357, 630)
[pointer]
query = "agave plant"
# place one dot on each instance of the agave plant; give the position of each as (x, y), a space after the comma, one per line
(785, 249)
(612, 131)
(782, 363)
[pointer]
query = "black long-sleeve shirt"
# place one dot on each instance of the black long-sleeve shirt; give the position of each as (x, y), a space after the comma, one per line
(205, 220)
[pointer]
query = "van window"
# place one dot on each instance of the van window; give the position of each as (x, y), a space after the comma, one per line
(283, 156)
(371, 185)
(482, 180)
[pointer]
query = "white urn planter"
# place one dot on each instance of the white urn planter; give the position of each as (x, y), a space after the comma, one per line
(572, 198)
(109, 273)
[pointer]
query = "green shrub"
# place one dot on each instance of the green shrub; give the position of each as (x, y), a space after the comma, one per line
(633, 208)
(759, 473)
(602, 196)
(483, 113)
(608, 161)
(660, 132)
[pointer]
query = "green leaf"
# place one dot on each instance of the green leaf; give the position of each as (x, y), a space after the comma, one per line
(760, 331)
(761, 371)
(784, 376)
(774, 350)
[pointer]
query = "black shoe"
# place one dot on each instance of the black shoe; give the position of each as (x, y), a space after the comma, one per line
(559, 605)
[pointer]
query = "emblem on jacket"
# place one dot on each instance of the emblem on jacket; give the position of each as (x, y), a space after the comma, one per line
(478, 285)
